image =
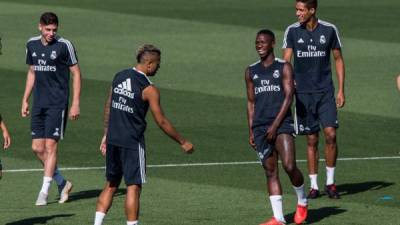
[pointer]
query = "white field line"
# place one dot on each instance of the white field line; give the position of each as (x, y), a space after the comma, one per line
(201, 164)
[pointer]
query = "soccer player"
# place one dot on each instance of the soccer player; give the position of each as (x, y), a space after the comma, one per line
(131, 94)
(311, 41)
(6, 140)
(51, 58)
(270, 89)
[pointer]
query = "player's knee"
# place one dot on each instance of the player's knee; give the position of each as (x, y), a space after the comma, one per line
(330, 138)
(289, 168)
(271, 173)
(36, 148)
(312, 141)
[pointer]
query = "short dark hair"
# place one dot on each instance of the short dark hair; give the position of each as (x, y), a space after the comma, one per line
(267, 32)
(309, 3)
(49, 18)
(146, 48)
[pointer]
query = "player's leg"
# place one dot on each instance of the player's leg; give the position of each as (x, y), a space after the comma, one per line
(270, 165)
(113, 175)
(134, 170)
(286, 149)
(132, 204)
(312, 164)
(104, 201)
(308, 124)
(329, 121)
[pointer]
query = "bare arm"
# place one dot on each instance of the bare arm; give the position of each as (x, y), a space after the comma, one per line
(398, 82)
(287, 54)
(152, 95)
(340, 74)
(76, 88)
(30, 81)
(106, 120)
(250, 105)
(6, 135)
(288, 89)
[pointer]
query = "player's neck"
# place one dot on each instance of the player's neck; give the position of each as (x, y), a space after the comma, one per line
(44, 42)
(139, 69)
(311, 24)
(268, 59)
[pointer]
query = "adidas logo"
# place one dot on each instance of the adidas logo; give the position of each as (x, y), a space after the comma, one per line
(301, 41)
(255, 77)
(56, 133)
(34, 54)
(125, 89)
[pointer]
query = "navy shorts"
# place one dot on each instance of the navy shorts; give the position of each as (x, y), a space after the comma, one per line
(48, 123)
(263, 148)
(127, 162)
(314, 110)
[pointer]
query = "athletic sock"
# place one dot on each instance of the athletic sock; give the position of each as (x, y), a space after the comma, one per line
(46, 185)
(136, 222)
(330, 175)
(277, 208)
(58, 178)
(98, 219)
(313, 180)
(301, 195)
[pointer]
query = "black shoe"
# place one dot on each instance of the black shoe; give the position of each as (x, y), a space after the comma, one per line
(314, 193)
(331, 191)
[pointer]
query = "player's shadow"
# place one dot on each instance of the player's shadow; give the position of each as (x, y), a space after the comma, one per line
(38, 220)
(75, 196)
(350, 189)
(316, 215)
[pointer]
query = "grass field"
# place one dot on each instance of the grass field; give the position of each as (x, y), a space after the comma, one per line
(206, 46)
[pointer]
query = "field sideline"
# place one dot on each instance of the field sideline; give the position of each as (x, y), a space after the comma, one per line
(206, 46)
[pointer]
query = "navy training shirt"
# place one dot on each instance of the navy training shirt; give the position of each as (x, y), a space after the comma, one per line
(268, 91)
(51, 66)
(128, 111)
(312, 50)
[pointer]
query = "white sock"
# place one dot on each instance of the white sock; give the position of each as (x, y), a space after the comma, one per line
(313, 180)
(132, 222)
(330, 175)
(46, 185)
(301, 195)
(98, 219)
(277, 208)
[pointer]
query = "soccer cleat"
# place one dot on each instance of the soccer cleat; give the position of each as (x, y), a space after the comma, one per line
(273, 221)
(301, 214)
(41, 199)
(314, 193)
(331, 191)
(64, 194)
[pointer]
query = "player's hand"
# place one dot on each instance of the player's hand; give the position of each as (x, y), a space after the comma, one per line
(271, 134)
(187, 147)
(74, 112)
(25, 109)
(340, 100)
(252, 142)
(103, 146)
(7, 139)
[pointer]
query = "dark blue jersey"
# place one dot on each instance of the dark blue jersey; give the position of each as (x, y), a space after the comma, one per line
(312, 50)
(51, 65)
(127, 109)
(268, 91)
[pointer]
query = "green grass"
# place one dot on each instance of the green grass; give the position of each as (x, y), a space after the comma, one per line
(206, 46)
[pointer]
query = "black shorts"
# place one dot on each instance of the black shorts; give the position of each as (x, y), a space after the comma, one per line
(48, 123)
(127, 162)
(313, 110)
(263, 148)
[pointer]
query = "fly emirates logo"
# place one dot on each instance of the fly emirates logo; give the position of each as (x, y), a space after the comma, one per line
(266, 87)
(124, 89)
(311, 52)
(42, 66)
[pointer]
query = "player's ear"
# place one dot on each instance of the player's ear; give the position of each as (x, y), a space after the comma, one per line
(40, 27)
(312, 10)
